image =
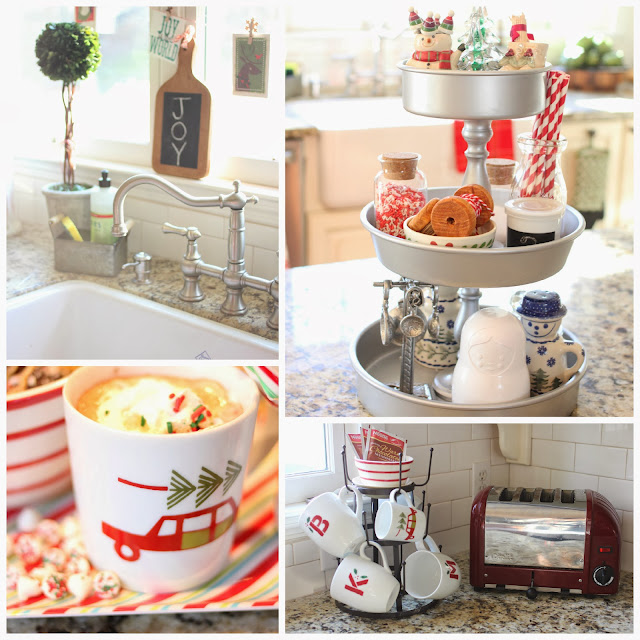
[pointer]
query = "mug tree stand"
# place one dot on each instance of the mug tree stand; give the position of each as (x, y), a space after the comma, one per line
(405, 605)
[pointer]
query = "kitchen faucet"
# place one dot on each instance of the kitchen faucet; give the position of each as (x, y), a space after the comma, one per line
(233, 275)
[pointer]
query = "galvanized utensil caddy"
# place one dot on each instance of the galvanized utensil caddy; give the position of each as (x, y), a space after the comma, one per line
(88, 258)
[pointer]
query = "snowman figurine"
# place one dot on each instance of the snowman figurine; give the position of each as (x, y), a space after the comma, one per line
(432, 43)
(541, 314)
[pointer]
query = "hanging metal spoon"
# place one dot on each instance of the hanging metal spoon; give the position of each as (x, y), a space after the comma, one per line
(433, 323)
(388, 323)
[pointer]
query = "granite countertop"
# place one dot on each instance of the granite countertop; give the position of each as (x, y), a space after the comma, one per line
(468, 611)
(30, 266)
(328, 305)
(227, 622)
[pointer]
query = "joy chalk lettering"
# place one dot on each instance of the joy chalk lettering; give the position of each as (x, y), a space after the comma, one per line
(180, 129)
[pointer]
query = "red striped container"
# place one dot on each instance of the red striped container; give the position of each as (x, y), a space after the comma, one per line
(37, 455)
(376, 473)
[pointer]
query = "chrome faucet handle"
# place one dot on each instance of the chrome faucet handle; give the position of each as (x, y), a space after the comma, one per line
(236, 199)
(191, 234)
(141, 267)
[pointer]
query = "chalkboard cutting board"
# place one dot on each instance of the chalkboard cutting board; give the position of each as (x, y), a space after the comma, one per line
(182, 119)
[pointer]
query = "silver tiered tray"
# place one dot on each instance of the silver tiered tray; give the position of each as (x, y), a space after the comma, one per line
(473, 95)
(457, 267)
(377, 367)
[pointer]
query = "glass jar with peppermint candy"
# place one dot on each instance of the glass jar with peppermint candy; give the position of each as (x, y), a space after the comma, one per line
(399, 191)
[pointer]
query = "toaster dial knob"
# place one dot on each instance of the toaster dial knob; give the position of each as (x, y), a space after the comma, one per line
(603, 575)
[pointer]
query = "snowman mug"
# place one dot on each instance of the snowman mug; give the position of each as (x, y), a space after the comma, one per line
(331, 524)
(398, 522)
(430, 573)
(363, 584)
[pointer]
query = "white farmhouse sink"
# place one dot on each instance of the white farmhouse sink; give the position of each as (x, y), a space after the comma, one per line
(78, 320)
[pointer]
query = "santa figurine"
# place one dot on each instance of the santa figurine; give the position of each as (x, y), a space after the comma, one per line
(523, 52)
(432, 43)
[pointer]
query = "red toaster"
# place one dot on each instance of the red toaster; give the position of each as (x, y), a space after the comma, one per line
(544, 540)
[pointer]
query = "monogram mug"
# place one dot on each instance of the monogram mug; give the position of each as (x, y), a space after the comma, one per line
(331, 524)
(363, 584)
(429, 573)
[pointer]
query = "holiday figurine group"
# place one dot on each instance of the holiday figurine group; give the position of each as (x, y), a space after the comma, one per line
(479, 46)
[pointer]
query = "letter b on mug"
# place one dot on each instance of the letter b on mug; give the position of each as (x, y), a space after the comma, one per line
(331, 524)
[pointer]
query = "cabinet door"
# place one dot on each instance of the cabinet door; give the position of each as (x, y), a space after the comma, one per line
(609, 135)
(337, 236)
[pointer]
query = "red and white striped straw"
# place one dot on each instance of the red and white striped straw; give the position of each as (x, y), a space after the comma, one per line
(548, 180)
(538, 175)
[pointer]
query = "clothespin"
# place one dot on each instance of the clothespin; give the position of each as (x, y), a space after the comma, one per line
(186, 36)
(252, 26)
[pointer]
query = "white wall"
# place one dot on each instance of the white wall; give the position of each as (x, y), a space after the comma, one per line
(591, 456)
(588, 456)
(150, 208)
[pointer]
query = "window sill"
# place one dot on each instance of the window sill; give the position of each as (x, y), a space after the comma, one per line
(292, 513)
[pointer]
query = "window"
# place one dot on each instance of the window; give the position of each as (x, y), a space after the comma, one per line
(111, 106)
(114, 107)
(312, 458)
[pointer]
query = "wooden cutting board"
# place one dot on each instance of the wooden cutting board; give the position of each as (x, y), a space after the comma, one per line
(182, 119)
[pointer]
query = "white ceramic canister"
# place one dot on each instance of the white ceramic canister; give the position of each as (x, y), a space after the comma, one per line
(533, 221)
(492, 367)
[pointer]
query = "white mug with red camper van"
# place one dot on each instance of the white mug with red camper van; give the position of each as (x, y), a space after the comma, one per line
(400, 522)
(159, 509)
(331, 524)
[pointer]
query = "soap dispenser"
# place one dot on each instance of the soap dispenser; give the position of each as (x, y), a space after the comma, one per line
(102, 211)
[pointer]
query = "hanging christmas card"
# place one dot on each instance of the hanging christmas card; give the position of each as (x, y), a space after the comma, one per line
(250, 63)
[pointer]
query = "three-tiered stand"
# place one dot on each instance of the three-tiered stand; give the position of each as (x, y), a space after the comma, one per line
(388, 383)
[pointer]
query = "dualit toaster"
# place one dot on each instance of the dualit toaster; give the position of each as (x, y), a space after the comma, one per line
(544, 539)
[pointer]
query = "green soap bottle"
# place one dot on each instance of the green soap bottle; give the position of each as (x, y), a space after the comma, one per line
(102, 211)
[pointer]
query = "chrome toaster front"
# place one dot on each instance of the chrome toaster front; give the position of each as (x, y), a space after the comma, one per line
(544, 539)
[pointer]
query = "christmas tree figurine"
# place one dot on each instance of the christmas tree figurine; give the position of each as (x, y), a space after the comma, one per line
(480, 43)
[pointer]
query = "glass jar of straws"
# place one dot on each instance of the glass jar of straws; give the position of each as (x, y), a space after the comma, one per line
(539, 173)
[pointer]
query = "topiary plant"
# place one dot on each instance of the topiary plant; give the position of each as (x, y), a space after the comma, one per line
(68, 51)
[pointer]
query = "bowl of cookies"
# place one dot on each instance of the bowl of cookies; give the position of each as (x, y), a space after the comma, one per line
(462, 220)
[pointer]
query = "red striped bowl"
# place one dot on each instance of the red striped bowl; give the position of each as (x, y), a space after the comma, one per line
(37, 455)
(382, 474)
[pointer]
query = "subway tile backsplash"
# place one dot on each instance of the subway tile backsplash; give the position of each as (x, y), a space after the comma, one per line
(589, 456)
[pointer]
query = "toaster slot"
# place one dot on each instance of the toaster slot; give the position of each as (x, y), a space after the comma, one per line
(506, 495)
(547, 495)
(526, 495)
(568, 496)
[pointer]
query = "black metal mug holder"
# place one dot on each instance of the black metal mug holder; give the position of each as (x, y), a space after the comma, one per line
(397, 567)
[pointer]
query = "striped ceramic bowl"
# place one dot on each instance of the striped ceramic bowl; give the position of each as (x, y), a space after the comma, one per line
(37, 455)
(375, 473)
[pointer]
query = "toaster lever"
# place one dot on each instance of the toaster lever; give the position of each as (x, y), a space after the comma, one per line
(532, 593)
